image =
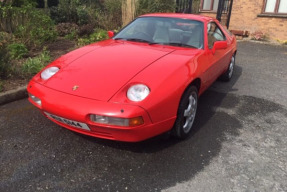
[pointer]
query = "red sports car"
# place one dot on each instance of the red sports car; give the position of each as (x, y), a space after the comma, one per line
(145, 80)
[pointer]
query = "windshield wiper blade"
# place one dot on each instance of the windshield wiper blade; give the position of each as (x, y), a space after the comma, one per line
(120, 39)
(180, 45)
(138, 40)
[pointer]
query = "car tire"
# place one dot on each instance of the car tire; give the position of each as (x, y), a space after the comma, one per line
(186, 113)
(228, 74)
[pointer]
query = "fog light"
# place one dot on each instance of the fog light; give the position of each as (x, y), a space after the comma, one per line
(125, 122)
(35, 99)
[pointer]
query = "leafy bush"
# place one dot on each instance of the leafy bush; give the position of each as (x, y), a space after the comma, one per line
(5, 66)
(1, 86)
(52, 3)
(86, 30)
(72, 36)
(83, 15)
(17, 50)
(109, 15)
(99, 35)
(33, 65)
(152, 6)
(72, 11)
(64, 29)
(30, 25)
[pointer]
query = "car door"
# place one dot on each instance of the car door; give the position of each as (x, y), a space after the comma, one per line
(215, 60)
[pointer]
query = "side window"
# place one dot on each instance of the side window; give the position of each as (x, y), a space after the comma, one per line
(214, 34)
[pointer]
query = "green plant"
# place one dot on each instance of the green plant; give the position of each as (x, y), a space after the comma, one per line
(83, 15)
(109, 15)
(5, 66)
(30, 25)
(1, 86)
(17, 50)
(72, 11)
(33, 65)
(151, 6)
(64, 29)
(86, 30)
(99, 35)
(71, 36)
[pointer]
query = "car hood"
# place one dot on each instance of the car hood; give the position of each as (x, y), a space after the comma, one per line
(98, 72)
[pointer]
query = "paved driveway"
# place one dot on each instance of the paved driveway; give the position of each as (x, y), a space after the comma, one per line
(238, 144)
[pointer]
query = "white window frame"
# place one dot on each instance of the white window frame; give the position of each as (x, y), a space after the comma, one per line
(275, 6)
(212, 8)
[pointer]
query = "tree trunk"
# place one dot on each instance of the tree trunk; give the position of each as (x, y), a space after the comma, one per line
(46, 4)
(128, 11)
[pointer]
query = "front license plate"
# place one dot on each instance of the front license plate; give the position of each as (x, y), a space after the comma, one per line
(68, 121)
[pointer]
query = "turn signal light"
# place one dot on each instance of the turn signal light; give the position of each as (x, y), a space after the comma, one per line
(125, 122)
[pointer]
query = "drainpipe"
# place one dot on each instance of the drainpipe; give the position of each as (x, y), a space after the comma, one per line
(229, 14)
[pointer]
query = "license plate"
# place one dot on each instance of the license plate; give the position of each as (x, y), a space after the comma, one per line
(68, 121)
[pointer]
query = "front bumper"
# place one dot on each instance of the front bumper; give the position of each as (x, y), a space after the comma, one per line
(78, 109)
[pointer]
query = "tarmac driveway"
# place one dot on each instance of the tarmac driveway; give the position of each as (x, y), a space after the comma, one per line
(238, 144)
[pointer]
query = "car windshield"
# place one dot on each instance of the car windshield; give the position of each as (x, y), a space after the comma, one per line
(163, 30)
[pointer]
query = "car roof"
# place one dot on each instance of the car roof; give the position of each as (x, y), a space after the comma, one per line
(180, 15)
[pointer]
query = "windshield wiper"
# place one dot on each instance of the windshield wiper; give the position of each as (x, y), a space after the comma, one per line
(133, 39)
(120, 39)
(180, 45)
(138, 40)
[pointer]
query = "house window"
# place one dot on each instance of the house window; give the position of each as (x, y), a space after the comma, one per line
(276, 6)
(209, 5)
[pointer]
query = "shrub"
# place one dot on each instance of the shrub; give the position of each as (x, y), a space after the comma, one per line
(38, 28)
(72, 36)
(33, 65)
(52, 3)
(73, 11)
(5, 66)
(1, 86)
(83, 15)
(99, 35)
(64, 29)
(17, 50)
(30, 25)
(109, 15)
(86, 30)
(152, 6)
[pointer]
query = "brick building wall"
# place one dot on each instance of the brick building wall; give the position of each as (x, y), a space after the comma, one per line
(247, 15)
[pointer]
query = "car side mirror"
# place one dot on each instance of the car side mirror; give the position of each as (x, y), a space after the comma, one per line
(219, 45)
(111, 34)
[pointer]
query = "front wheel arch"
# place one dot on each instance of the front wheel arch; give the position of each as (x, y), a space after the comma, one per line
(186, 111)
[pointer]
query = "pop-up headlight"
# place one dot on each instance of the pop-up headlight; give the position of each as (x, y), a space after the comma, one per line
(138, 92)
(49, 72)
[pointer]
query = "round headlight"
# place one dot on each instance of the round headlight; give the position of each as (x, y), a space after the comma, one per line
(138, 92)
(49, 72)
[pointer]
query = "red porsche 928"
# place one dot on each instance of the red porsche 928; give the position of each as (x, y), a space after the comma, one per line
(143, 81)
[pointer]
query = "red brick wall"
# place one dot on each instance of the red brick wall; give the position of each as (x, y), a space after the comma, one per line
(244, 16)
